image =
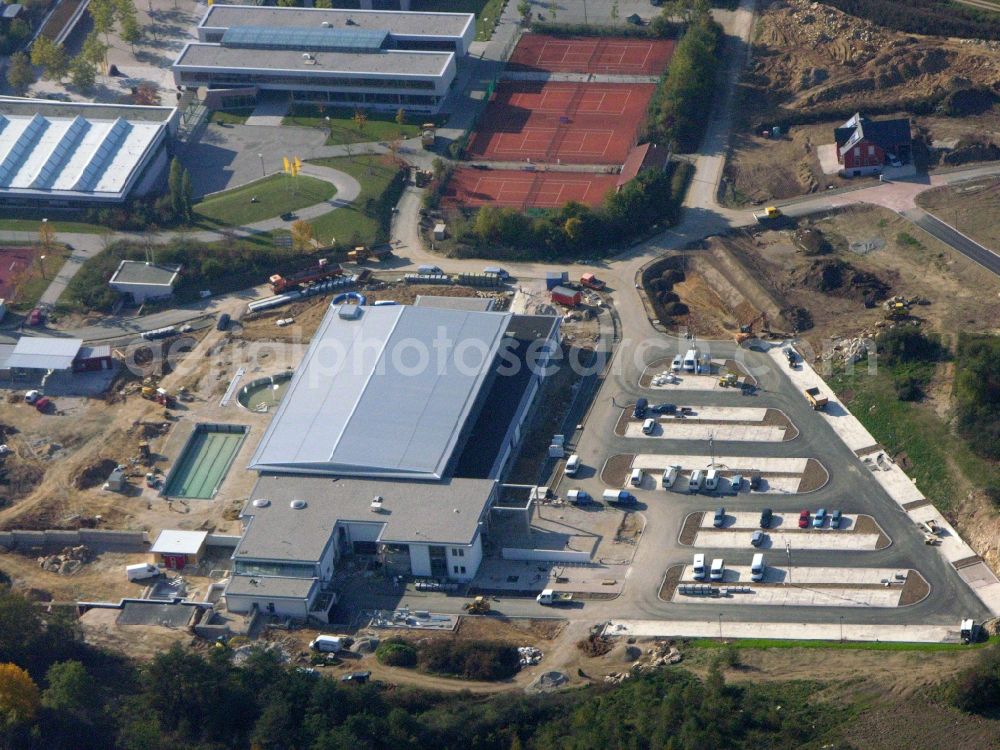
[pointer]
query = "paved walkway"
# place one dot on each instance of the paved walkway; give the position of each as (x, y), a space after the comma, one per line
(269, 113)
(724, 628)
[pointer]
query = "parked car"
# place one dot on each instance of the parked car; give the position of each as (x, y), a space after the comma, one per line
(819, 519)
(804, 519)
(572, 466)
(223, 323)
(36, 317)
(766, 516)
(720, 517)
(663, 408)
(649, 426)
(735, 483)
(670, 476)
(677, 363)
(578, 497)
(754, 482)
(757, 539)
(43, 404)
(639, 411)
(835, 519)
(32, 396)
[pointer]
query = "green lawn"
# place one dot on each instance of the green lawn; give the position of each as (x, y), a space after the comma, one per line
(365, 221)
(939, 462)
(232, 116)
(487, 12)
(30, 224)
(381, 126)
(32, 287)
(275, 195)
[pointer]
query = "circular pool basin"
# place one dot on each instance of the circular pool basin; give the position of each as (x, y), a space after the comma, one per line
(263, 394)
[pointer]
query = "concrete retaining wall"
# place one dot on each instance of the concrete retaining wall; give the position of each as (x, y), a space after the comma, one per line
(222, 540)
(545, 555)
(126, 541)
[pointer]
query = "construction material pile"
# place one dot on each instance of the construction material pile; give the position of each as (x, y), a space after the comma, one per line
(68, 561)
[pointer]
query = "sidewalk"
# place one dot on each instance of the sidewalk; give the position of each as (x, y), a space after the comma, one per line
(813, 631)
(896, 483)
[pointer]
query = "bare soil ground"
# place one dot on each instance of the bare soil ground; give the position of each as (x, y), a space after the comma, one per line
(811, 58)
(616, 469)
(690, 529)
(972, 208)
(814, 477)
(914, 590)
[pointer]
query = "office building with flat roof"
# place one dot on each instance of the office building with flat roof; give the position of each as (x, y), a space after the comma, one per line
(344, 58)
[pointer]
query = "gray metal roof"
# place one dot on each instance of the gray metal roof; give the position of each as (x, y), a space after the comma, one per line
(399, 23)
(398, 63)
(445, 512)
(386, 394)
(137, 272)
(279, 587)
(42, 353)
(479, 304)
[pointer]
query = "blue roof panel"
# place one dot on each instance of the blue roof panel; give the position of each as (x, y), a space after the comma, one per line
(320, 39)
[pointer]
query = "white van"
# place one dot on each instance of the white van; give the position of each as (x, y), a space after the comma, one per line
(718, 568)
(670, 476)
(712, 480)
(690, 360)
(699, 567)
(141, 571)
(694, 483)
(572, 466)
(328, 644)
(429, 270)
(636, 478)
(649, 426)
(757, 567)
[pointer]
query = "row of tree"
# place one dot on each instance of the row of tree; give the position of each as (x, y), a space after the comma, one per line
(82, 69)
(977, 391)
(932, 17)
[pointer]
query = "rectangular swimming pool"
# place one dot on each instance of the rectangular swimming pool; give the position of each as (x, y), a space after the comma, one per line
(203, 463)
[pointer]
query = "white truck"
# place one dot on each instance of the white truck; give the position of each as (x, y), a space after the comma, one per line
(141, 571)
(552, 598)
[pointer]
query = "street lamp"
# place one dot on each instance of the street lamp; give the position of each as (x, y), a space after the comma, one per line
(262, 172)
(841, 628)
(788, 554)
(720, 624)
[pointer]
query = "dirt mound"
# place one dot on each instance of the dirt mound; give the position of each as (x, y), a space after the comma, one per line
(549, 680)
(840, 278)
(95, 475)
(624, 652)
(595, 645)
(364, 646)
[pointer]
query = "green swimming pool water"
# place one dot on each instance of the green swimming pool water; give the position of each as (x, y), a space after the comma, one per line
(264, 394)
(205, 461)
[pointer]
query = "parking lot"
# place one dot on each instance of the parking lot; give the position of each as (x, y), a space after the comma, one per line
(776, 475)
(856, 532)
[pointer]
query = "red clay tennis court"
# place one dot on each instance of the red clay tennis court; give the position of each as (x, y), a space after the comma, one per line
(508, 187)
(571, 123)
(541, 52)
(13, 262)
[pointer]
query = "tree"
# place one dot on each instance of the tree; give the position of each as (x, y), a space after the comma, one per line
(614, 12)
(360, 120)
(524, 9)
(50, 57)
(401, 119)
(323, 4)
(18, 696)
(302, 235)
(131, 31)
(175, 188)
(102, 13)
(551, 6)
(46, 235)
(70, 690)
(20, 76)
(82, 73)
(187, 195)
(95, 51)
(146, 94)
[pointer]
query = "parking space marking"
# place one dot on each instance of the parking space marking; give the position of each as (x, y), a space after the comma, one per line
(750, 521)
(769, 465)
(804, 575)
(775, 540)
(793, 596)
(682, 430)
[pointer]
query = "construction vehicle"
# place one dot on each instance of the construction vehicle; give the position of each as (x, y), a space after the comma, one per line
(815, 398)
(969, 631)
(478, 606)
(729, 380)
(428, 132)
(747, 329)
(896, 308)
(376, 252)
(931, 540)
(144, 452)
(322, 270)
(159, 395)
(771, 213)
(591, 282)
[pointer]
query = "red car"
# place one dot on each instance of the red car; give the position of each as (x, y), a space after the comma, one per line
(35, 317)
(804, 519)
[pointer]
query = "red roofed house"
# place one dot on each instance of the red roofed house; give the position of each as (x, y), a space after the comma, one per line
(865, 146)
(642, 158)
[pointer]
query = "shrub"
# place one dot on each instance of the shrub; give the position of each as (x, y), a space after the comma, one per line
(908, 344)
(473, 660)
(396, 652)
(908, 388)
(977, 391)
(977, 688)
(675, 308)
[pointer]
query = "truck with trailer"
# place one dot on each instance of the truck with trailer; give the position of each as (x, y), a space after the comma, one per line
(549, 598)
(816, 398)
(322, 270)
(376, 252)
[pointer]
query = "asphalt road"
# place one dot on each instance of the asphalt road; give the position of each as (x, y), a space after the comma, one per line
(966, 246)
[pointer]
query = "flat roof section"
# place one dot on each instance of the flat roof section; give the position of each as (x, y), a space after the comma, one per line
(40, 353)
(279, 587)
(152, 274)
(477, 304)
(177, 542)
(445, 512)
(385, 394)
(344, 40)
(400, 23)
(397, 63)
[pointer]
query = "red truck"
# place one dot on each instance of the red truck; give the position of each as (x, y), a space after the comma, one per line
(322, 270)
(591, 281)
